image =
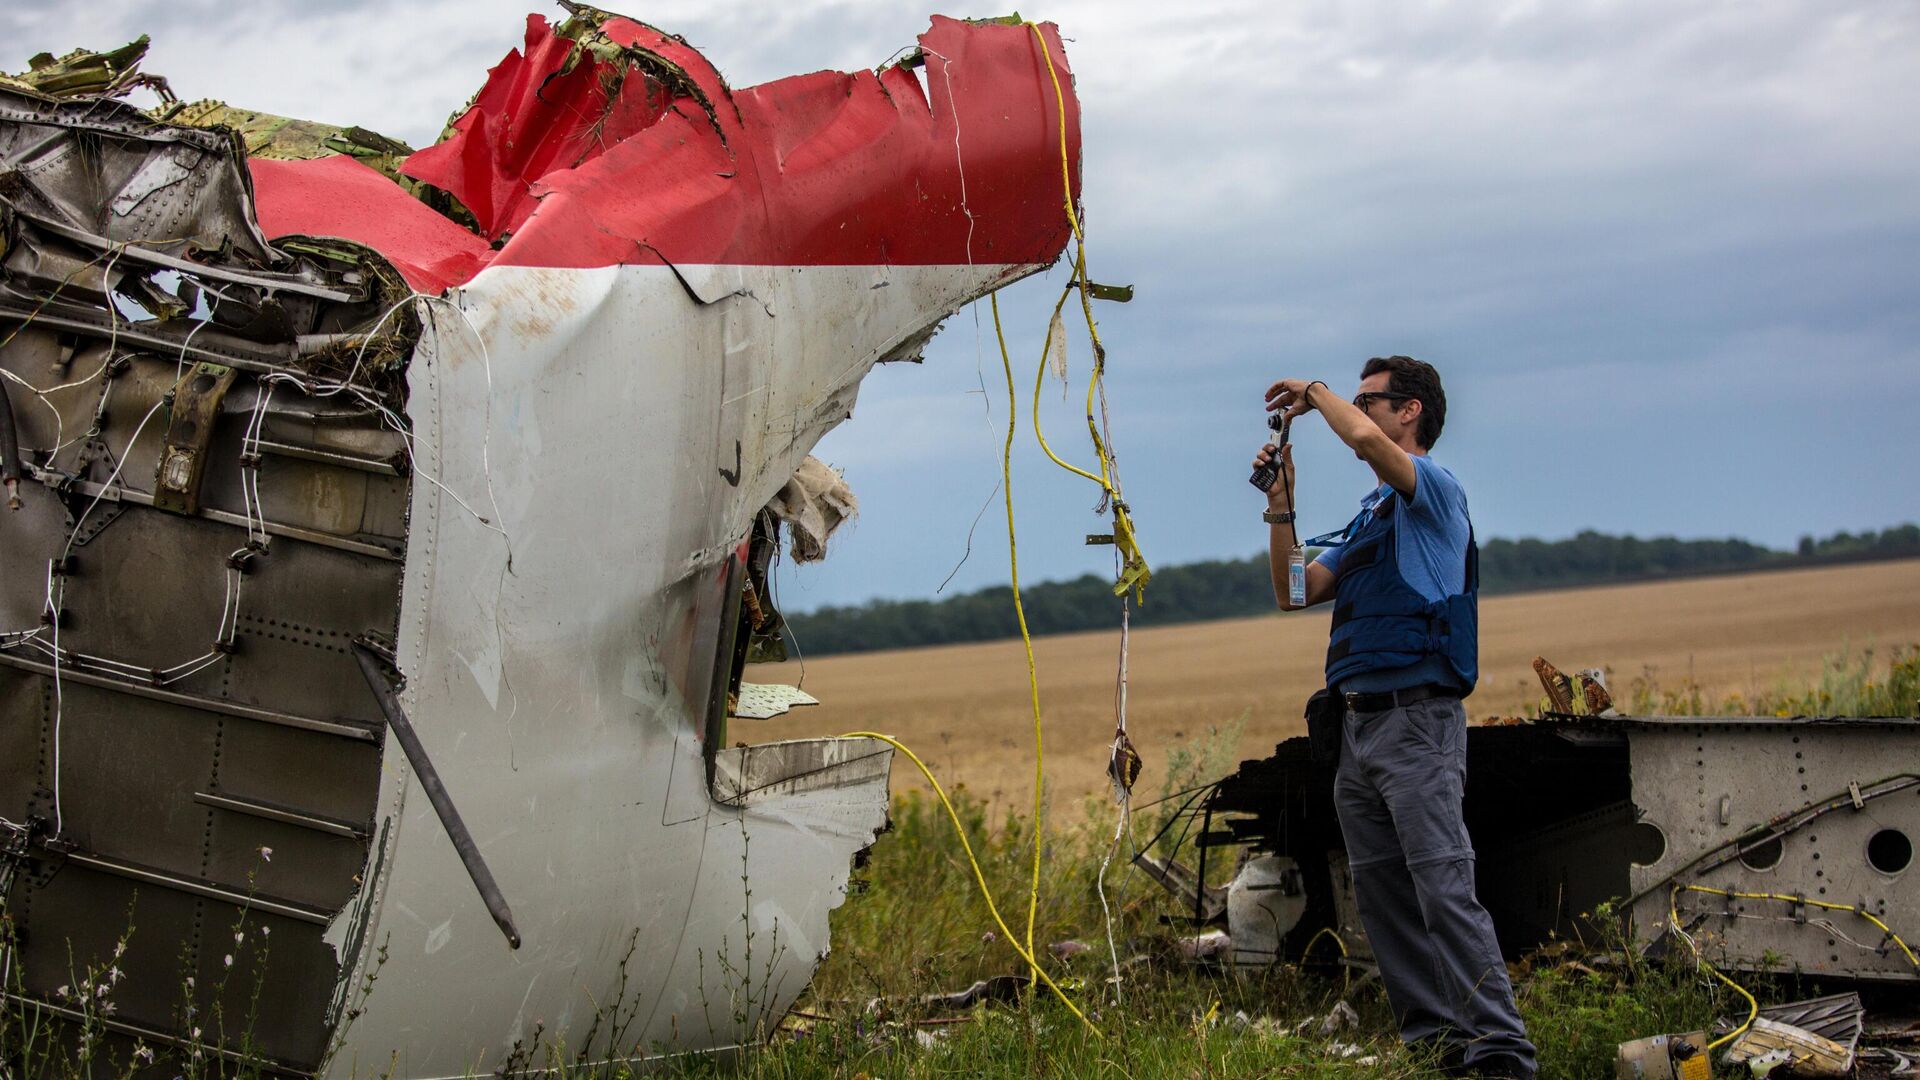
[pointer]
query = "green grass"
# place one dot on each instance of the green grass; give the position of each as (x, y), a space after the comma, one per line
(1849, 684)
(917, 925)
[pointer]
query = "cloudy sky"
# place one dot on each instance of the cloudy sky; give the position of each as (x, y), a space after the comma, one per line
(1666, 256)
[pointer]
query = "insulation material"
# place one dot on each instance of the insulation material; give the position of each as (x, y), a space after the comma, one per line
(813, 504)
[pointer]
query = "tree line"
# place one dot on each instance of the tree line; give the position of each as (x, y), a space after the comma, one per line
(1228, 588)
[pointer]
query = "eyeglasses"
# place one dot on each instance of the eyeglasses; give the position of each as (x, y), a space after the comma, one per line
(1365, 400)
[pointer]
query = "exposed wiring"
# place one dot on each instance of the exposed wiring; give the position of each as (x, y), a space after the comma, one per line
(253, 512)
(113, 254)
(1753, 1005)
(1346, 972)
(1780, 827)
(54, 606)
(979, 876)
(1135, 573)
(1026, 637)
(1807, 901)
(1328, 932)
(1121, 822)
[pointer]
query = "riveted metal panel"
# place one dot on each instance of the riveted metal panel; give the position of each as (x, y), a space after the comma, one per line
(1709, 783)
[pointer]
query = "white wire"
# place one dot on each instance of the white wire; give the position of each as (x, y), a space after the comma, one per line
(59, 425)
(1824, 924)
(113, 341)
(368, 340)
(393, 421)
(59, 703)
(59, 818)
(486, 431)
(1120, 823)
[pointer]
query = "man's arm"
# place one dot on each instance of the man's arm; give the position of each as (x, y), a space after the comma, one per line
(1390, 463)
(1281, 538)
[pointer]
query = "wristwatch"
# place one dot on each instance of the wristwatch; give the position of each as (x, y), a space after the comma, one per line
(1277, 517)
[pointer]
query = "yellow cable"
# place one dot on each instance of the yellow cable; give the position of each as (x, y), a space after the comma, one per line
(1060, 100)
(1786, 898)
(1753, 1006)
(1039, 380)
(1134, 573)
(1020, 613)
(1753, 1009)
(1325, 931)
(979, 876)
(1346, 973)
(1079, 267)
(1079, 271)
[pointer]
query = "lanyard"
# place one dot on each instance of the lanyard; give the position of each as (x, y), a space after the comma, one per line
(1336, 539)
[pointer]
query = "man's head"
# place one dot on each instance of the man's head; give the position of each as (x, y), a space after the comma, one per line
(1404, 397)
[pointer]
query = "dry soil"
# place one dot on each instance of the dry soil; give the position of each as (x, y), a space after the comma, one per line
(965, 708)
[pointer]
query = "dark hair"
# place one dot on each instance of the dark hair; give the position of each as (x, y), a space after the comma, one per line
(1418, 380)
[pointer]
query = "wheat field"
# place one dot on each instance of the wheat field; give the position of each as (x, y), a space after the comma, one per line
(966, 708)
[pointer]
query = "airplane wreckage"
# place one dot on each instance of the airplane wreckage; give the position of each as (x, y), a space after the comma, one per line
(389, 531)
(1760, 843)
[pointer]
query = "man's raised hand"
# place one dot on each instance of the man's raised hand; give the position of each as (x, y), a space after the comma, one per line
(1289, 395)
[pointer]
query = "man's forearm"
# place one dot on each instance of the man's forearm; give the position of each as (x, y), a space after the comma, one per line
(1364, 437)
(1280, 545)
(1347, 422)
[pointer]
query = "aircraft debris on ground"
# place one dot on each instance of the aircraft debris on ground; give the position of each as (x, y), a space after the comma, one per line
(1757, 844)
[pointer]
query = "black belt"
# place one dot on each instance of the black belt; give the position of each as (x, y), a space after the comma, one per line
(1394, 699)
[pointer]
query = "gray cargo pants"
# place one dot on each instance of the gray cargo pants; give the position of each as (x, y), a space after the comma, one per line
(1402, 776)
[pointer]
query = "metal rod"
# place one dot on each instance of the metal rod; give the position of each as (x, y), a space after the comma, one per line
(372, 667)
(282, 814)
(270, 283)
(194, 701)
(207, 889)
(327, 457)
(1200, 884)
(253, 358)
(121, 493)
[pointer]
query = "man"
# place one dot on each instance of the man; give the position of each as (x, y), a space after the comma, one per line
(1403, 652)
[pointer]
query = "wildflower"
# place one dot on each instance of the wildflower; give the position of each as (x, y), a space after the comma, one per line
(266, 853)
(143, 1055)
(266, 931)
(107, 1008)
(101, 990)
(62, 991)
(189, 982)
(228, 960)
(114, 974)
(119, 948)
(196, 1033)
(239, 937)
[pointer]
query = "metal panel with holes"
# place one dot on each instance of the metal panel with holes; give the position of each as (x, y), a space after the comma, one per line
(1788, 843)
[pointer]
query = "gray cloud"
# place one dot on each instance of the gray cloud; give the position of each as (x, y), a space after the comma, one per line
(1664, 251)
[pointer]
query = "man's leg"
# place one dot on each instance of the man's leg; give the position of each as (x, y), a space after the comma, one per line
(1388, 898)
(1423, 781)
(1469, 959)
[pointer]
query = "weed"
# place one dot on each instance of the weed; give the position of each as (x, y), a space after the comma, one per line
(1849, 684)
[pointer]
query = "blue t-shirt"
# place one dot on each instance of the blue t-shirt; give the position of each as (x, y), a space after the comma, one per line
(1434, 531)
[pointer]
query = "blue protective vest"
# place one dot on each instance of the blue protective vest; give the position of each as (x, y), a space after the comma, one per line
(1380, 622)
